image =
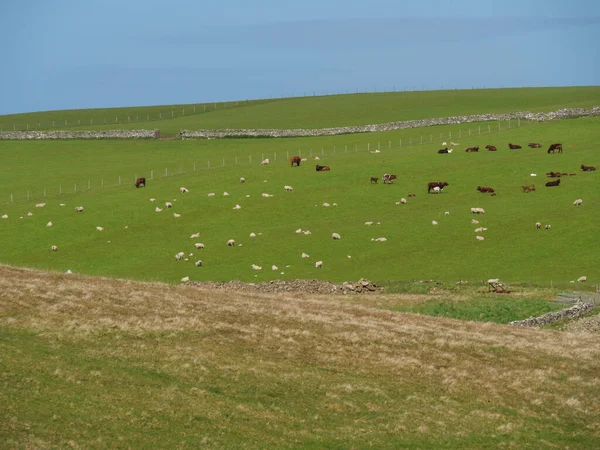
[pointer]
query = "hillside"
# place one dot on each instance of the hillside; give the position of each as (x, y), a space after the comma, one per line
(312, 112)
(105, 363)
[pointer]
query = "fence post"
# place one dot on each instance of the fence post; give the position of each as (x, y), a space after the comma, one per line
(166, 171)
(223, 162)
(44, 192)
(27, 195)
(75, 187)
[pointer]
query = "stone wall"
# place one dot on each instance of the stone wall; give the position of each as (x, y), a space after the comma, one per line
(538, 117)
(570, 313)
(100, 134)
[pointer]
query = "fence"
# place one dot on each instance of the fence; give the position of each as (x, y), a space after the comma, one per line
(42, 193)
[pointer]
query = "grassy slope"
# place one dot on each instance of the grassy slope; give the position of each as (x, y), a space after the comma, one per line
(513, 249)
(322, 112)
(95, 363)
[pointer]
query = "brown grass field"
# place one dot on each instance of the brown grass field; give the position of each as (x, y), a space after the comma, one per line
(103, 363)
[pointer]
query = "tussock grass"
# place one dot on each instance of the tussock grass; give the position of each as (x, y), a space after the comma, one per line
(107, 363)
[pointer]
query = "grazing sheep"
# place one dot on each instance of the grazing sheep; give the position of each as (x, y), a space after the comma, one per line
(176, 215)
(168, 204)
(54, 248)
(242, 180)
(179, 256)
(100, 228)
(368, 223)
(5, 216)
(447, 213)
(326, 204)
(211, 194)
(29, 214)
(195, 235)
(533, 175)
(265, 195)
(199, 245)
(433, 222)
(226, 194)
(255, 267)
(335, 236)
(474, 221)
(183, 190)
(578, 202)
(252, 234)
(306, 232)
(480, 229)
(403, 201)
(230, 243)
(480, 238)
(40, 205)
(453, 143)
(157, 209)
(274, 267)
(237, 207)
(304, 255)
(335, 204)
(185, 279)
(265, 162)
(299, 231)
(319, 264)
(538, 225)
(79, 209)
(477, 211)
(49, 224)
(198, 263)
(152, 199)
(381, 239)
(582, 279)
(548, 227)
(288, 188)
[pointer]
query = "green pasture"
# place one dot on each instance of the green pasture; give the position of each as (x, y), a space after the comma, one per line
(139, 243)
(312, 112)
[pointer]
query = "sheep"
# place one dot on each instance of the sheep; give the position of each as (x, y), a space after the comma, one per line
(304, 255)
(183, 190)
(185, 279)
(274, 267)
(335, 236)
(157, 209)
(578, 202)
(230, 243)
(304, 159)
(319, 264)
(265, 162)
(474, 221)
(54, 248)
(195, 235)
(403, 201)
(242, 180)
(317, 158)
(79, 209)
(152, 199)
(582, 279)
(252, 234)
(306, 232)
(381, 239)
(433, 222)
(480, 229)
(199, 245)
(538, 225)
(447, 213)
(326, 204)
(368, 223)
(5, 216)
(477, 211)
(211, 194)
(237, 207)
(453, 143)
(225, 194)
(299, 231)
(176, 215)
(198, 263)
(480, 238)
(533, 175)
(179, 256)
(49, 224)
(288, 188)
(40, 205)
(168, 204)
(548, 227)
(265, 195)
(100, 228)
(334, 204)
(444, 144)
(29, 214)
(255, 267)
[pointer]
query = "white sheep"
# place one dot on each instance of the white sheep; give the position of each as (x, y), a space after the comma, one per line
(288, 188)
(157, 209)
(480, 238)
(226, 194)
(533, 174)
(237, 207)
(447, 213)
(168, 204)
(582, 279)
(326, 204)
(184, 190)
(381, 239)
(578, 202)
(403, 201)
(444, 144)
(433, 222)
(179, 256)
(100, 228)
(195, 236)
(299, 231)
(368, 223)
(252, 234)
(304, 159)
(474, 221)
(29, 214)
(199, 245)
(5, 216)
(335, 236)
(334, 204)
(230, 243)
(79, 209)
(54, 248)
(176, 215)
(317, 158)
(477, 211)
(548, 227)
(152, 199)
(437, 189)
(306, 232)
(265, 162)
(453, 143)
(265, 195)
(538, 225)
(40, 205)
(49, 224)
(319, 264)
(304, 256)
(211, 194)
(198, 263)
(255, 267)
(185, 279)
(242, 180)
(274, 267)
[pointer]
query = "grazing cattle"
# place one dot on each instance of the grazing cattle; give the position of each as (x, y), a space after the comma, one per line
(374, 180)
(440, 184)
(534, 145)
(553, 174)
(491, 148)
(554, 147)
(484, 189)
(513, 146)
(412, 195)
(139, 182)
(295, 159)
(528, 188)
(443, 150)
(389, 178)
(472, 149)
(553, 183)
(322, 168)
(588, 168)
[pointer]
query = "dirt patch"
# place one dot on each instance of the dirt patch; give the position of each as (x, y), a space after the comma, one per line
(591, 324)
(305, 286)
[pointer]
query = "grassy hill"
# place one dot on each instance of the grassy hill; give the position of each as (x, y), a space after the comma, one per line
(313, 112)
(99, 363)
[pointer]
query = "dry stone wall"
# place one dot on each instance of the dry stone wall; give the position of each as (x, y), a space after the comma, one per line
(100, 134)
(570, 313)
(538, 117)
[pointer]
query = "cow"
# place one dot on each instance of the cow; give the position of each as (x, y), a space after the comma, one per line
(443, 150)
(587, 168)
(295, 159)
(139, 182)
(554, 174)
(513, 146)
(322, 168)
(534, 145)
(440, 184)
(374, 180)
(528, 188)
(472, 149)
(485, 189)
(553, 183)
(491, 148)
(554, 147)
(389, 178)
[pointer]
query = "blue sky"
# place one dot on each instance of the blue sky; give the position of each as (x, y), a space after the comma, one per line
(67, 54)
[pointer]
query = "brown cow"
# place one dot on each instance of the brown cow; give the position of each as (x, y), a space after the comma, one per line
(491, 148)
(139, 182)
(554, 147)
(374, 180)
(534, 145)
(443, 150)
(513, 146)
(553, 183)
(388, 178)
(588, 168)
(295, 159)
(472, 149)
(528, 188)
(487, 190)
(322, 168)
(438, 184)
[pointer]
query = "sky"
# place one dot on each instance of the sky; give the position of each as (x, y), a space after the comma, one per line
(74, 54)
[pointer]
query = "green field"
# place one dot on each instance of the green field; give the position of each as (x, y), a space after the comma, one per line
(312, 112)
(139, 243)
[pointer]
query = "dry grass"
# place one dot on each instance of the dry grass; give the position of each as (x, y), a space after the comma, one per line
(114, 363)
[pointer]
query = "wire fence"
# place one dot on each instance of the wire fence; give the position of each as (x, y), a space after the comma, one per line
(281, 157)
